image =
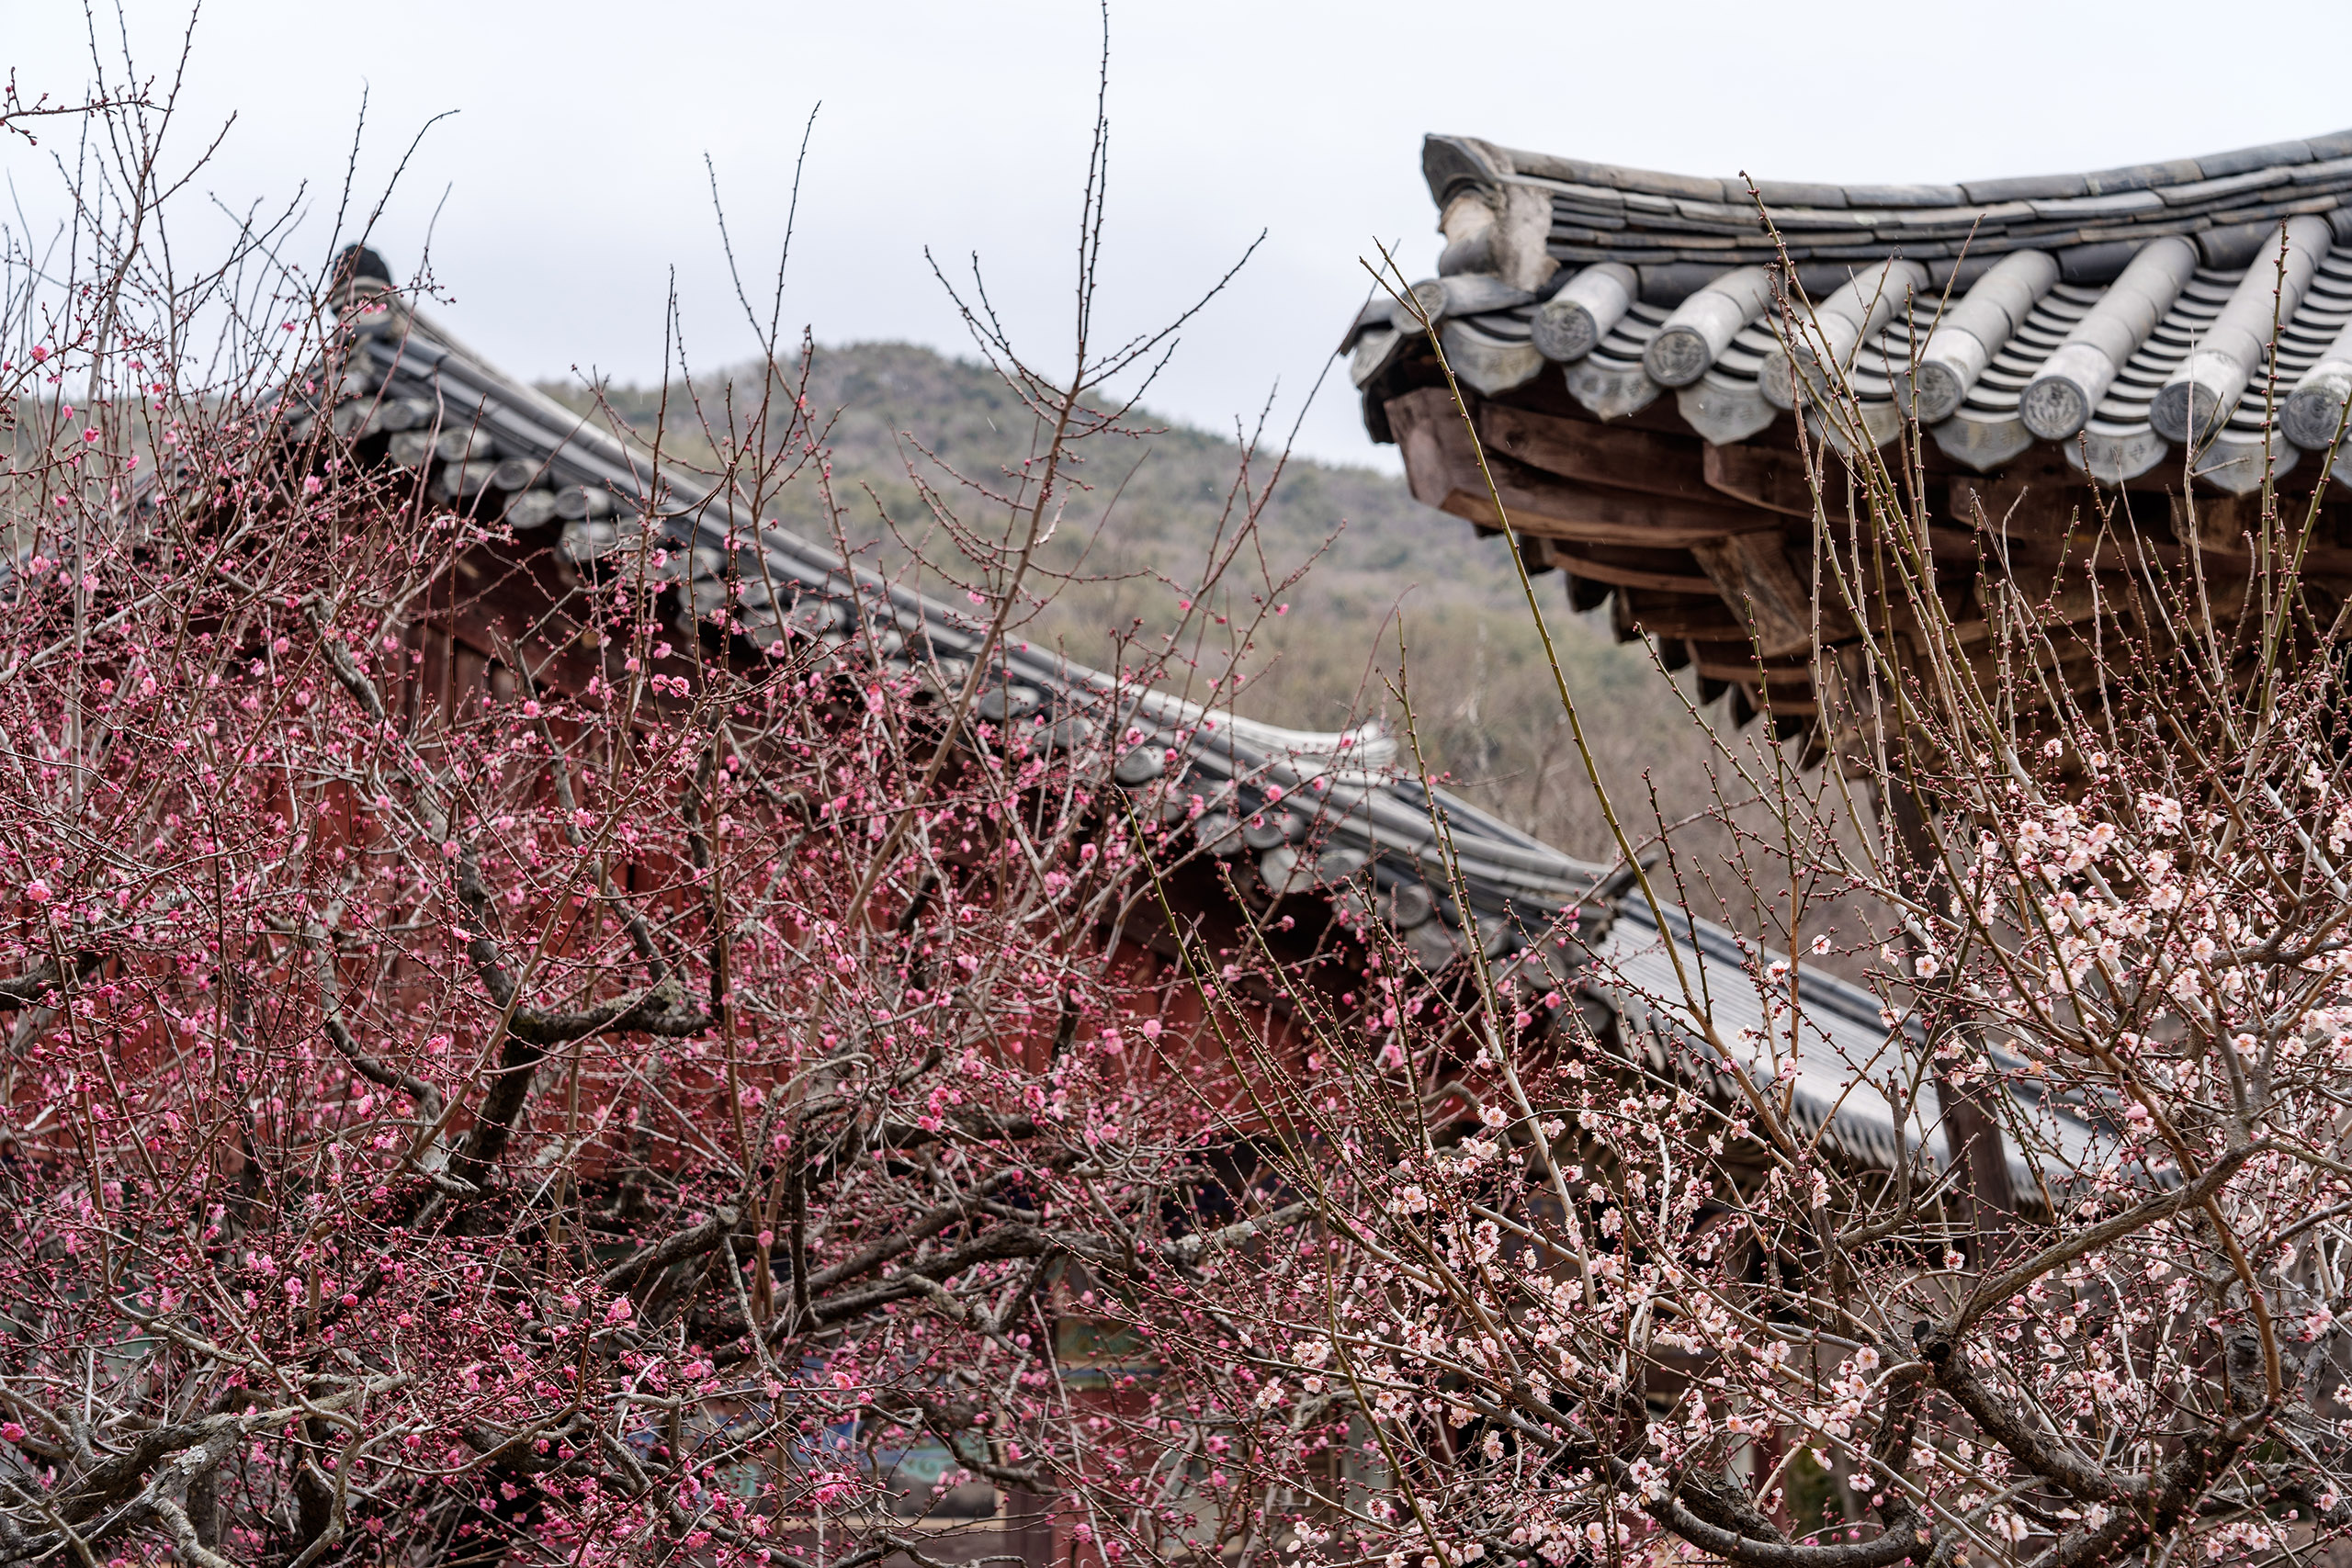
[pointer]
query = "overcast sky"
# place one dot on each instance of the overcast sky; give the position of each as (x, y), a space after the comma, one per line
(567, 187)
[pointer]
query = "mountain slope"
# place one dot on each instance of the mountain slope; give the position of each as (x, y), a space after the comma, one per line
(915, 436)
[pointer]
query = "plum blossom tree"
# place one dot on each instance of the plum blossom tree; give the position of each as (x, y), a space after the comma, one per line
(497, 1067)
(500, 1067)
(2044, 1267)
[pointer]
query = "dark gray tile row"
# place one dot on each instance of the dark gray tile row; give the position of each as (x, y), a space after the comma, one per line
(2117, 314)
(1326, 816)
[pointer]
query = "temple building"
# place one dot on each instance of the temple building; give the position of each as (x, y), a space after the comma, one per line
(1355, 849)
(1334, 827)
(1646, 358)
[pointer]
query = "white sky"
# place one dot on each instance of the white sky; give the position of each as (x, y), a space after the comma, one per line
(568, 185)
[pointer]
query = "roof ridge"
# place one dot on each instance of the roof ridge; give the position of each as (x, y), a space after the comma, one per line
(1326, 810)
(1450, 160)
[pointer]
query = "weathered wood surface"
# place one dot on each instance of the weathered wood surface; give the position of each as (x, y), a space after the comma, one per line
(1443, 467)
(1679, 615)
(1644, 460)
(1751, 571)
(1667, 571)
(1772, 480)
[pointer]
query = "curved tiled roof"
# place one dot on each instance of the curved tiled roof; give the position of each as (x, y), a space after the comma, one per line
(1329, 813)
(2116, 315)
(1604, 212)
(1847, 1050)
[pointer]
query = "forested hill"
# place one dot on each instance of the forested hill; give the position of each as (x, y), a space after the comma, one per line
(905, 419)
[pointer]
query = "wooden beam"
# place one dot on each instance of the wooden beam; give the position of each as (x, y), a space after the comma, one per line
(2042, 531)
(1621, 617)
(1544, 506)
(1640, 460)
(1761, 476)
(1718, 668)
(1538, 556)
(1739, 656)
(1418, 421)
(2023, 505)
(1585, 561)
(1705, 619)
(1775, 481)
(1715, 661)
(1443, 468)
(2222, 523)
(2073, 603)
(1752, 573)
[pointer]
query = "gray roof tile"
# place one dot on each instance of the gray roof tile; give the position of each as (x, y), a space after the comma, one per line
(2270, 155)
(2026, 187)
(1718, 212)
(1788, 193)
(1649, 182)
(1681, 212)
(1906, 196)
(1360, 800)
(2141, 200)
(1682, 233)
(2142, 176)
(1600, 196)
(2228, 185)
